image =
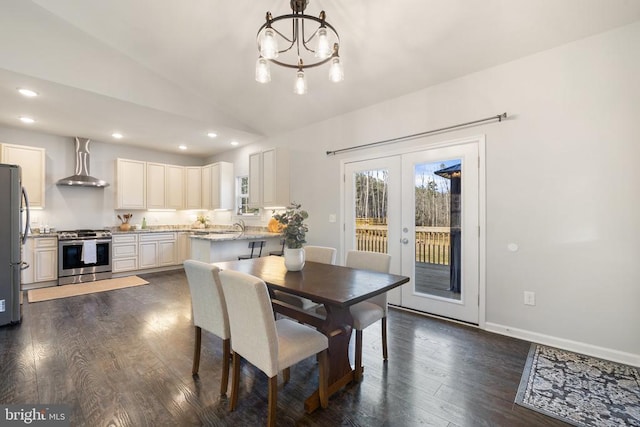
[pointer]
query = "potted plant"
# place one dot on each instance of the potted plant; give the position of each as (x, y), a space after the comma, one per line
(294, 231)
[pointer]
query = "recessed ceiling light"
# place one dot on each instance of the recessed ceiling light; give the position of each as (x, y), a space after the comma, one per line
(212, 134)
(234, 142)
(117, 135)
(25, 119)
(28, 93)
(182, 147)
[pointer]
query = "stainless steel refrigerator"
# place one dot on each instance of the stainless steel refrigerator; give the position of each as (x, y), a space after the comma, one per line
(13, 234)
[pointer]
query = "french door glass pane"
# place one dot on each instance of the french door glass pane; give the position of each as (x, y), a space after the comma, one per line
(371, 210)
(438, 228)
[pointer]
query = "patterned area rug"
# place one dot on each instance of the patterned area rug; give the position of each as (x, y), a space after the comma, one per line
(580, 390)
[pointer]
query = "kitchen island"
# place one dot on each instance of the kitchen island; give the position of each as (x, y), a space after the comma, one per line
(217, 247)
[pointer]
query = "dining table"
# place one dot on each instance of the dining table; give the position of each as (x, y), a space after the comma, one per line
(335, 287)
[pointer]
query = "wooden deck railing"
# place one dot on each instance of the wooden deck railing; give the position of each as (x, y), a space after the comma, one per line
(432, 243)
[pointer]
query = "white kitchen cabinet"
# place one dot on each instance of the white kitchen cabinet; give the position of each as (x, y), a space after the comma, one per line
(184, 246)
(45, 259)
(174, 187)
(218, 186)
(205, 187)
(255, 180)
(32, 162)
(148, 255)
(269, 178)
(156, 186)
(193, 187)
(42, 255)
(157, 250)
(124, 252)
(167, 252)
(165, 186)
(131, 179)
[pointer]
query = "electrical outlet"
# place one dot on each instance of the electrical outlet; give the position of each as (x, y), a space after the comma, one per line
(2, 306)
(529, 298)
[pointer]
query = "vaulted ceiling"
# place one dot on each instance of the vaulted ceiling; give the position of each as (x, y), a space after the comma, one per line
(165, 73)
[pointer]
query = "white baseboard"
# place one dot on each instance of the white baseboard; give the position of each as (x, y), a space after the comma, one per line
(565, 344)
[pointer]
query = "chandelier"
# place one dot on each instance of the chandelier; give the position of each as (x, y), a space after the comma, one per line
(300, 42)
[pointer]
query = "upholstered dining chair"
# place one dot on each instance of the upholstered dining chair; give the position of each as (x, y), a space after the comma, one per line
(209, 313)
(367, 312)
(270, 345)
(322, 254)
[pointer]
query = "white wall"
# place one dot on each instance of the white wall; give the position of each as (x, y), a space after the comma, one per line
(562, 183)
(70, 208)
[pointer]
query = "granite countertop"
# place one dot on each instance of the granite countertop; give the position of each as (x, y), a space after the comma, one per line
(196, 233)
(170, 228)
(249, 235)
(42, 235)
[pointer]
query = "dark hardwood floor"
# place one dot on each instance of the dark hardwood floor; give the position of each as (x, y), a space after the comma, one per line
(123, 358)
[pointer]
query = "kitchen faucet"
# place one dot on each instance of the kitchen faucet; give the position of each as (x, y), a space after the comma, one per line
(241, 225)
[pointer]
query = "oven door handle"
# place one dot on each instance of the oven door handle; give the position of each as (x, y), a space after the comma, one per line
(80, 242)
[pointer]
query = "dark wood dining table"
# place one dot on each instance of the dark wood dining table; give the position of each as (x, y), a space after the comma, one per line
(337, 288)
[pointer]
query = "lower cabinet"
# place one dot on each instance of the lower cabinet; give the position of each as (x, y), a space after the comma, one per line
(42, 255)
(142, 251)
(184, 247)
(157, 250)
(125, 252)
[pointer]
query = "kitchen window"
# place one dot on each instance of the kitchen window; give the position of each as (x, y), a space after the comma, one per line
(242, 197)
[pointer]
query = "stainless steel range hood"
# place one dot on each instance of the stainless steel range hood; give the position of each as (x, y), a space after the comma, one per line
(82, 177)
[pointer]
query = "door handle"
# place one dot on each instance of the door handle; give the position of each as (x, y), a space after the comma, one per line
(404, 241)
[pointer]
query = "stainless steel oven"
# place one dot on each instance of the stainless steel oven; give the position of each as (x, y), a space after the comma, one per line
(84, 256)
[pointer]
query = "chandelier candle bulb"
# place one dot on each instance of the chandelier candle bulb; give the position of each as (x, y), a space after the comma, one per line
(269, 44)
(336, 73)
(300, 87)
(323, 50)
(263, 73)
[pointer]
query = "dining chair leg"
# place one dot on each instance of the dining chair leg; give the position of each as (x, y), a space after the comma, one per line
(323, 373)
(286, 375)
(226, 357)
(235, 381)
(358, 367)
(273, 401)
(384, 339)
(196, 351)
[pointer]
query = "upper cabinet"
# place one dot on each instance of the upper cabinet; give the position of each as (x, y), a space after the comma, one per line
(32, 162)
(174, 187)
(255, 180)
(193, 187)
(165, 186)
(218, 186)
(269, 178)
(205, 187)
(156, 186)
(131, 184)
(148, 185)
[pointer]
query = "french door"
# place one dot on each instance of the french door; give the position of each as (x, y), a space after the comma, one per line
(421, 207)
(372, 195)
